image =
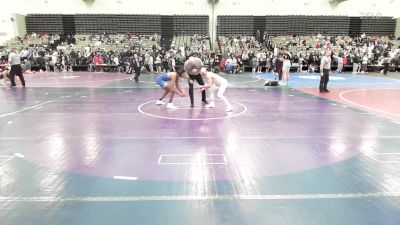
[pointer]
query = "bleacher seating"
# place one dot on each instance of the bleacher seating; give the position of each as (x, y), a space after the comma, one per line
(47, 23)
(191, 24)
(306, 25)
(228, 25)
(185, 40)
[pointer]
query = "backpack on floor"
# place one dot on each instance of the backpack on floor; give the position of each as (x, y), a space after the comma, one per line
(271, 83)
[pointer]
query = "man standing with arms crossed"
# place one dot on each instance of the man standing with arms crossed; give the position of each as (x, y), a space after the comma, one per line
(192, 67)
(325, 69)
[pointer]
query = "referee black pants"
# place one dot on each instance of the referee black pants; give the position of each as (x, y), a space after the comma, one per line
(16, 70)
(199, 80)
(137, 74)
(323, 83)
(385, 68)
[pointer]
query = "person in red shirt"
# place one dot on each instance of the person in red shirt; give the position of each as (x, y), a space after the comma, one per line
(98, 60)
(222, 64)
(344, 60)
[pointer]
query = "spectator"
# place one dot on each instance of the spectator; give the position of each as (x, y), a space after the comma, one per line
(364, 63)
(340, 64)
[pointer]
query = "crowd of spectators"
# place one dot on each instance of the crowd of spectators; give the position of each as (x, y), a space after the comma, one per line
(129, 52)
(363, 53)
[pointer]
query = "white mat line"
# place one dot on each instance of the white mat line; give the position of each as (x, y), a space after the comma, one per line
(8, 158)
(336, 196)
(205, 137)
(24, 109)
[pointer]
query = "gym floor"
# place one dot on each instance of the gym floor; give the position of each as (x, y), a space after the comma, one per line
(93, 149)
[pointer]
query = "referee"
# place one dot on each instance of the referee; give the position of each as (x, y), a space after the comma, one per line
(16, 69)
(325, 69)
(192, 67)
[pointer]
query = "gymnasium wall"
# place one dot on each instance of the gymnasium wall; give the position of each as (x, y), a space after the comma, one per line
(397, 33)
(369, 8)
(201, 7)
(162, 7)
(309, 7)
(7, 30)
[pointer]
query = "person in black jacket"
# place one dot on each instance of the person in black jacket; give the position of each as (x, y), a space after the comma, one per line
(386, 63)
(356, 63)
(278, 64)
(136, 65)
